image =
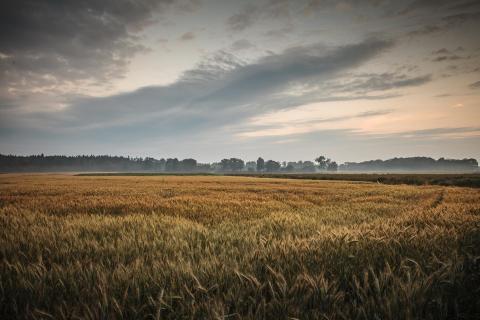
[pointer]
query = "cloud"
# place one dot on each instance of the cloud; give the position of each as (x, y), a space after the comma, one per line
(244, 19)
(242, 44)
(441, 51)
(458, 19)
(279, 33)
(447, 22)
(299, 132)
(425, 30)
(448, 58)
(250, 14)
(436, 133)
(264, 127)
(448, 55)
(187, 36)
(466, 5)
(220, 90)
(444, 54)
(373, 113)
(431, 16)
(417, 5)
(369, 82)
(475, 85)
(52, 48)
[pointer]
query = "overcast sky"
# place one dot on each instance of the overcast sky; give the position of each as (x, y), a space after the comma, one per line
(285, 80)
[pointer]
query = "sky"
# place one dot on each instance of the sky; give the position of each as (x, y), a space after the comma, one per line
(286, 80)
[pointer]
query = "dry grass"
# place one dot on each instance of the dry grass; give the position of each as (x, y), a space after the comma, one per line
(236, 247)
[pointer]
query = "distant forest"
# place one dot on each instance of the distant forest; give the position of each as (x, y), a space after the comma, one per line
(105, 163)
(412, 164)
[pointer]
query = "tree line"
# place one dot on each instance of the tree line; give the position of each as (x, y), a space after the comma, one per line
(45, 163)
(412, 164)
(105, 163)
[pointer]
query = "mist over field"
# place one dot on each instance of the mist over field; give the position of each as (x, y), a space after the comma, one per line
(254, 159)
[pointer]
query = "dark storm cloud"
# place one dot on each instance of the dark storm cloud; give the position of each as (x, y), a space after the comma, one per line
(50, 42)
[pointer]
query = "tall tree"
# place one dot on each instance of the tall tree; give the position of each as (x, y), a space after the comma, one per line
(172, 164)
(272, 166)
(232, 164)
(322, 162)
(260, 164)
(332, 166)
(236, 164)
(188, 164)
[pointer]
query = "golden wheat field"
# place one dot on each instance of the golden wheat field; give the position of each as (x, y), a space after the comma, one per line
(210, 247)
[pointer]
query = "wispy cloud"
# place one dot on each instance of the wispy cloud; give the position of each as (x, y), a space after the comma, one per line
(262, 127)
(244, 19)
(242, 44)
(440, 133)
(187, 36)
(448, 22)
(475, 85)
